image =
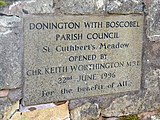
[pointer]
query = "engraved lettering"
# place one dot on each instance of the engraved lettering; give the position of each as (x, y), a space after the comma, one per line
(122, 24)
(57, 25)
(75, 56)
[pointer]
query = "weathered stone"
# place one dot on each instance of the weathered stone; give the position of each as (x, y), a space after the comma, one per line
(153, 19)
(147, 115)
(10, 110)
(56, 113)
(123, 65)
(154, 56)
(124, 6)
(78, 6)
(4, 93)
(112, 118)
(155, 117)
(151, 80)
(36, 107)
(4, 103)
(146, 100)
(29, 7)
(87, 111)
(10, 52)
(15, 95)
(130, 103)
(103, 101)
(101, 6)
(1, 116)
(7, 23)
(147, 4)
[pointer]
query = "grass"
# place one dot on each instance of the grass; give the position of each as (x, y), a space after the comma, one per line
(2, 3)
(129, 117)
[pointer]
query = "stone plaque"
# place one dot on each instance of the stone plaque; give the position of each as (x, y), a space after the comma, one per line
(68, 57)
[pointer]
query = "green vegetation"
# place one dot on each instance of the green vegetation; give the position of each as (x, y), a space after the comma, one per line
(2, 3)
(129, 117)
(158, 110)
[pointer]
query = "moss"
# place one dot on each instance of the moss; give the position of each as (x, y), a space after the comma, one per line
(2, 3)
(158, 110)
(129, 117)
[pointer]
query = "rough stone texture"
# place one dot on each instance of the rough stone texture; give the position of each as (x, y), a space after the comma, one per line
(78, 6)
(21, 8)
(153, 20)
(133, 102)
(56, 113)
(130, 103)
(87, 111)
(35, 59)
(15, 95)
(36, 107)
(155, 117)
(124, 6)
(154, 57)
(102, 101)
(101, 6)
(10, 110)
(147, 115)
(4, 93)
(113, 118)
(144, 100)
(4, 103)
(10, 52)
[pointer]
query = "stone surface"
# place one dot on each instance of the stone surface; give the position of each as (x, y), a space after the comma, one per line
(128, 103)
(10, 52)
(155, 54)
(87, 111)
(120, 57)
(147, 100)
(147, 115)
(131, 102)
(15, 95)
(36, 107)
(124, 6)
(10, 110)
(80, 6)
(1, 116)
(21, 8)
(153, 19)
(112, 118)
(4, 104)
(155, 117)
(74, 7)
(4, 93)
(101, 6)
(56, 113)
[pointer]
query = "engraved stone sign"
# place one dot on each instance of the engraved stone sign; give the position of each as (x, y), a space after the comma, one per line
(68, 57)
